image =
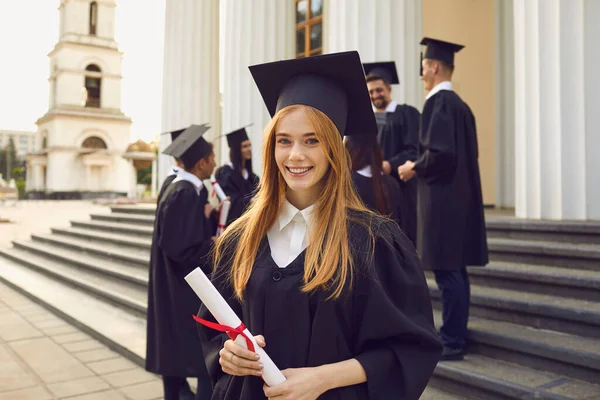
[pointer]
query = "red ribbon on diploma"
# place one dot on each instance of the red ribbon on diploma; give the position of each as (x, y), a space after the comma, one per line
(233, 333)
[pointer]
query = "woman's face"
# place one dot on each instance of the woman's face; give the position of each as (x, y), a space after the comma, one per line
(300, 157)
(246, 150)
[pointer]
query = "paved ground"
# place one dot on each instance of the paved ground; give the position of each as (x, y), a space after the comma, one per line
(38, 216)
(42, 357)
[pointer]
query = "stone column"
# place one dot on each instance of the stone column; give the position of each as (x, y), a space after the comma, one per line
(191, 70)
(556, 109)
(380, 30)
(153, 185)
(253, 32)
(88, 178)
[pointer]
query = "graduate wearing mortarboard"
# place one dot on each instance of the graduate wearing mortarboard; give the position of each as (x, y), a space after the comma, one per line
(335, 290)
(181, 241)
(398, 136)
(174, 169)
(451, 232)
(236, 178)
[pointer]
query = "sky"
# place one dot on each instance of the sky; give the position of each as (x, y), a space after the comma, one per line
(29, 31)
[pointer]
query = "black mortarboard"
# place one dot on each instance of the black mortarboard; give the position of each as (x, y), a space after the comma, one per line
(440, 50)
(174, 134)
(190, 146)
(386, 70)
(332, 83)
(237, 136)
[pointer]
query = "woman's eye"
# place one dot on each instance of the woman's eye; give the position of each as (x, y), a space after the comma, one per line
(283, 141)
(312, 141)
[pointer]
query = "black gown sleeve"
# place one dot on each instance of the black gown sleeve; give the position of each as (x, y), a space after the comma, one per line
(409, 139)
(397, 344)
(213, 341)
(184, 236)
(438, 156)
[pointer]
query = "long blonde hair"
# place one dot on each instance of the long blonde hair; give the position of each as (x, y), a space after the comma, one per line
(328, 263)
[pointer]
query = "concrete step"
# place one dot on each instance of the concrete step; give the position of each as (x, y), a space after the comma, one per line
(140, 209)
(567, 255)
(481, 377)
(557, 231)
(95, 236)
(113, 283)
(107, 252)
(121, 229)
(132, 219)
(114, 326)
(556, 281)
(433, 393)
(571, 356)
(540, 311)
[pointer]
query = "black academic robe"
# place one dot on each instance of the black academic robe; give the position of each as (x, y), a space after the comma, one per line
(168, 180)
(240, 190)
(385, 321)
(364, 188)
(451, 231)
(181, 242)
(399, 140)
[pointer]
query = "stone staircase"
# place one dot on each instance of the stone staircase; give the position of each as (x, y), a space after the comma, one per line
(535, 313)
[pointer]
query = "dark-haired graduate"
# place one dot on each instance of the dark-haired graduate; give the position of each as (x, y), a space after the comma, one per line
(174, 169)
(335, 292)
(236, 178)
(181, 241)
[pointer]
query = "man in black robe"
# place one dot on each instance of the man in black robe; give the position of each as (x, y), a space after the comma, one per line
(451, 230)
(398, 136)
(182, 240)
(174, 170)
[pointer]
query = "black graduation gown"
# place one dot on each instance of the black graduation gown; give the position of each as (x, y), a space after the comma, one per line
(240, 190)
(385, 321)
(168, 180)
(451, 232)
(181, 242)
(364, 189)
(399, 140)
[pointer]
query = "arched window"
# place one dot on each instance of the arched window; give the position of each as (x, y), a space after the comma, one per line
(93, 142)
(93, 17)
(93, 84)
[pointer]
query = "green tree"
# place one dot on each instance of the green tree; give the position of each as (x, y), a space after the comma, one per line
(11, 161)
(3, 162)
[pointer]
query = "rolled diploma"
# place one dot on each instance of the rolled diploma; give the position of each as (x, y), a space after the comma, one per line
(218, 189)
(224, 315)
(223, 217)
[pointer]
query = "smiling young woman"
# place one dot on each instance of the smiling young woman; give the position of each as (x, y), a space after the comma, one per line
(336, 291)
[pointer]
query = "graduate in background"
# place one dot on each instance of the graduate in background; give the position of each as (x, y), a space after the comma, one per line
(174, 170)
(451, 230)
(236, 178)
(336, 291)
(182, 239)
(379, 192)
(398, 136)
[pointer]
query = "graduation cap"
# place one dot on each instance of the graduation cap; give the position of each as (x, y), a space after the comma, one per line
(440, 50)
(174, 134)
(332, 83)
(237, 136)
(189, 146)
(386, 70)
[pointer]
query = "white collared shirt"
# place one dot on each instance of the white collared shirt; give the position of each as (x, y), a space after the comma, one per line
(446, 85)
(366, 172)
(245, 170)
(288, 237)
(174, 170)
(183, 175)
(390, 107)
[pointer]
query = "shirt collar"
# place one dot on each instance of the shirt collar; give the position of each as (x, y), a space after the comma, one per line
(288, 212)
(366, 171)
(390, 107)
(183, 175)
(446, 85)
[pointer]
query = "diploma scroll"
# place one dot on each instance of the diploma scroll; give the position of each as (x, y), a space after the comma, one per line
(228, 319)
(223, 217)
(218, 190)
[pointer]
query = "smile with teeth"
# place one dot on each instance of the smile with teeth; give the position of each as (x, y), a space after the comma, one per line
(298, 171)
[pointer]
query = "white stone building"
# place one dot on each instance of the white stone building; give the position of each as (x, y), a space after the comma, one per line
(83, 136)
(24, 141)
(528, 71)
